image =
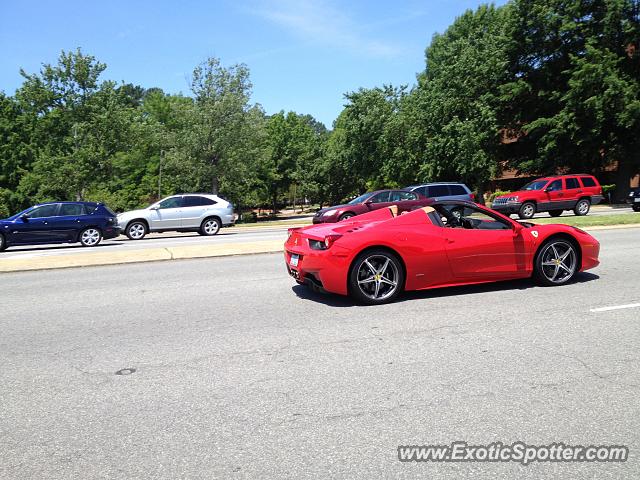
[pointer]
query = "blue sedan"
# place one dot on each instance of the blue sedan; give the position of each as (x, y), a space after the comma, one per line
(60, 222)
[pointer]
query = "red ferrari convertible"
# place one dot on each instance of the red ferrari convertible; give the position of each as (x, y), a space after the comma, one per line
(375, 256)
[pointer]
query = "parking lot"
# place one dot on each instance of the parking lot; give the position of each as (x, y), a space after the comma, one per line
(225, 367)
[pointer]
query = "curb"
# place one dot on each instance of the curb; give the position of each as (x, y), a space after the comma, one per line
(139, 256)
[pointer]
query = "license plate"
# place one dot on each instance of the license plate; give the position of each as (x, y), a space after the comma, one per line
(294, 260)
(636, 199)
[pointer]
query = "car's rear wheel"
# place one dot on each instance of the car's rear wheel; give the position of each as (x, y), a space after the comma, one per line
(136, 230)
(3, 243)
(556, 262)
(636, 208)
(90, 237)
(555, 213)
(210, 226)
(377, 277)
(346, 216)
(582, 207)
(527, 210)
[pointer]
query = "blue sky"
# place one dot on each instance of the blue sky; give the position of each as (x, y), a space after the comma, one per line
(303, 54)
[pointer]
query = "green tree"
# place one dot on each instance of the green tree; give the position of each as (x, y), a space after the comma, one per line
(456, 105)
(574, 83)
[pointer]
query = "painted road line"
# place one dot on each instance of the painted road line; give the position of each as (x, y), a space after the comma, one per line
(615, 307)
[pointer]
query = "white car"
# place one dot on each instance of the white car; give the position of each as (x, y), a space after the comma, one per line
(194, 212)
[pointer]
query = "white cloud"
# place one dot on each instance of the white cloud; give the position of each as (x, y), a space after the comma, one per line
(321, 23)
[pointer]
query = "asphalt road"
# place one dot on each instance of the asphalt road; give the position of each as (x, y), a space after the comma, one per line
(239, 373)
(226, 235)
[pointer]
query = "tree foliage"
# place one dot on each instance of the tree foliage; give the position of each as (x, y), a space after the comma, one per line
(539, 86)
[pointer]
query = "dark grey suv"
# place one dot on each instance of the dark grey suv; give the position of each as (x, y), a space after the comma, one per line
(444, 191)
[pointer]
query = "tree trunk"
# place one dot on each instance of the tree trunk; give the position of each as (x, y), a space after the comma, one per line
(623, 180)
(480, 193)
(214, 185)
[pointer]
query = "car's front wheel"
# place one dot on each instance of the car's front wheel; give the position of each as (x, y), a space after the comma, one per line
(377, 277)
(345, 216)
(136, 230)
(527, 210)
(582, 207)
(636, 208)
(556, 262)
(3, 243)
(555, 213)
(210, 226)
(90, 237)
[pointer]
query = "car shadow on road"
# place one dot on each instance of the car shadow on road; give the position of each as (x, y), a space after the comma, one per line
(332, 300)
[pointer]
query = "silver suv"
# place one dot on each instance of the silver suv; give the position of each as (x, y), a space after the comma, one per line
(444, 191)
(194, 212)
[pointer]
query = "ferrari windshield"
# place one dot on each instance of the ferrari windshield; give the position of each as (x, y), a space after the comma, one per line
(359, 199)
(535, 185)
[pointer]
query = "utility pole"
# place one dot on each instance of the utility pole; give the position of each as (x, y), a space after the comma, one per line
(160, 175)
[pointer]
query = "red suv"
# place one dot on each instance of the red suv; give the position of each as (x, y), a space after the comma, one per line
(553, 195)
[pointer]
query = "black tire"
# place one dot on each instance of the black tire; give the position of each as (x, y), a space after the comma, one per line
(547, 272)
(210, 227)
(636, 208)
(555, 213)
(346, 216)
(3, 243)
(582, 207)
(527, 210)
(90, 237)
(136, 230)
(380, 286)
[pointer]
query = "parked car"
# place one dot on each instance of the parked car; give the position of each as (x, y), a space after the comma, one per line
(552, 194)
(194, 212)
(60, 222)
(444, 191)
(376, 256)
(404, 199)
(634, 199)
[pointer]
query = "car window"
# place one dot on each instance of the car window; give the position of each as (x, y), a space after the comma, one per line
(588, 181)
(400, 196)
(470, 218)
(535, 185)
(380, 197)
(572, 183)
(555, 186)
(44, 211)
(457, 190)
(194, 201)
(359, 199)
(70, 209)
(438, 191)
(171, 202)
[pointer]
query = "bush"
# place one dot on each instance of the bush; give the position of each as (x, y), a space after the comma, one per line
(497, 193)
(5, 209)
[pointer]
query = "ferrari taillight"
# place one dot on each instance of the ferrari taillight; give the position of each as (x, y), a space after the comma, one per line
(330, 240)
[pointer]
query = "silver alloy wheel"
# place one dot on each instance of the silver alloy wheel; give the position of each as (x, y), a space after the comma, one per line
(583, 207)
(136, 231)
(378, 277)
(211, 227)
(90, 237)
(559, 261)
(528, 211)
